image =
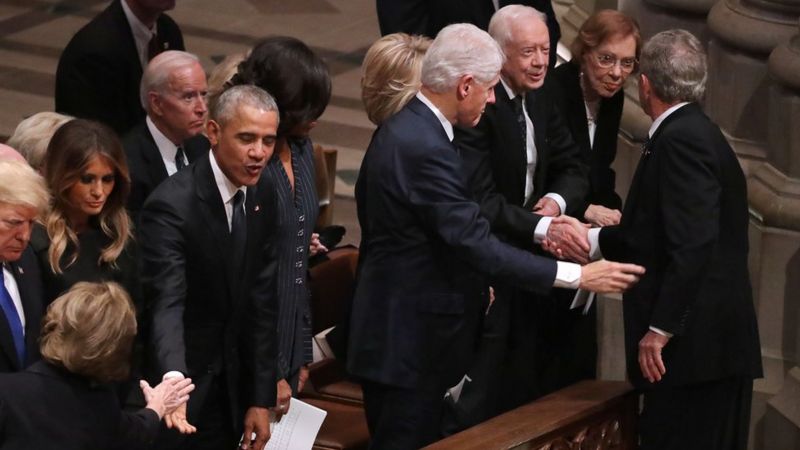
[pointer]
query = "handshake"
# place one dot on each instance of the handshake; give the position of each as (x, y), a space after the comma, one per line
(568, 238)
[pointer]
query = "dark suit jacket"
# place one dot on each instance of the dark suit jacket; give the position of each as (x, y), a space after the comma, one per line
(208, 318)
(686, 221)
(29, 281)
(416, 307)
(598, 157)
(558, 166)
(99, 71)
(428, 17)
(146, 165)
(48, 407)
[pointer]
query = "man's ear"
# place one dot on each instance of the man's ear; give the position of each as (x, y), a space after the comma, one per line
(464, 86)
(213, 131)
(154, 99)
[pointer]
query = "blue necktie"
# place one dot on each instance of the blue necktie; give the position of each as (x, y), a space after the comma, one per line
(12, 316)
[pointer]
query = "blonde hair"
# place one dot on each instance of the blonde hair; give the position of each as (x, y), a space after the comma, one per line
(390, 74)
(221, 74)
(69, 152)
(23, 186)
(33, 134)
(89, 331)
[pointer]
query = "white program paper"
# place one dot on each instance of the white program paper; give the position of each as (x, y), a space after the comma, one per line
(298, 428)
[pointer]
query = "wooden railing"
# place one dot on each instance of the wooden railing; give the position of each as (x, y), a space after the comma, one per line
(596, 415)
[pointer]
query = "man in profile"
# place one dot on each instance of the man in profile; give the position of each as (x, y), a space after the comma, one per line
(418, 302)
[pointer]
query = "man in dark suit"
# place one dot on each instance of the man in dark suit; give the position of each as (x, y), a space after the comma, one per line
(427, 17)
(23, 199)
(523, 156)
(209, 272)
(418, 302)
(173, 94)
(691, 336)
(100, 69)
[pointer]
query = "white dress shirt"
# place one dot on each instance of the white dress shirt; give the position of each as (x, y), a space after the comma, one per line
(166, 147)
(141, 34)
(13, 290)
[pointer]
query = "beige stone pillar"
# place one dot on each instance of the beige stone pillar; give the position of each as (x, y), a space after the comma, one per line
(774, 194)
(572, 20)
(660, 15)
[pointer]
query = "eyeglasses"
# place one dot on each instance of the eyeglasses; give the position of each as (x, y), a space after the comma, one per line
(607, 61)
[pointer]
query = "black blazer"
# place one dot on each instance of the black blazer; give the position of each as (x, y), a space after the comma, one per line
(146, 165)
(558, 166)
(29, 281)
(686, 221)
(48, 407)
(99, 72)
(598, 157)
(417, 304)
(208, 318)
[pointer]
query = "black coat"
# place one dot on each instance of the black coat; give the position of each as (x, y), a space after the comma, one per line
(99, 71)
(417, 305)
(48, 407)
(208, 319)
(598, 157)
(146, 166)
(686, 221)
(29, 282)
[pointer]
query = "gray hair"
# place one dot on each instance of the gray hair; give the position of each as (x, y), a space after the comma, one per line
(32, 135)
(156, 76)
(458, 50)
(248, 94)
(23, 186)
(502, 24)
(675, 63)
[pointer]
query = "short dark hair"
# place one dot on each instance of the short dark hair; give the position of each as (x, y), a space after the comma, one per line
(296, 77)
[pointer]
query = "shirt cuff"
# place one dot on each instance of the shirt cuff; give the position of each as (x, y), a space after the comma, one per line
(558, 199)
(172, 374)
(568, 275)
(540, 232)
(594, 244)
(660, 331)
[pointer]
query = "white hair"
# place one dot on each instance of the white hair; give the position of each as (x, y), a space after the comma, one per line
(502, 23)
(32, 135)
(458, 50)
(23, 186)
(156, 76)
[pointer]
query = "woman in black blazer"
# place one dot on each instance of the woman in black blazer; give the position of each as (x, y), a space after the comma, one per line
(65, 401)
(604, 54)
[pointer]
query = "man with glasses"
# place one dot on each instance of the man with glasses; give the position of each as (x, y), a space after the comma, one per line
(524, 170)
(173, 93)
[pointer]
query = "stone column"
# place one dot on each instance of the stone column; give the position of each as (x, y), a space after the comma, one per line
(660, 15)
(774, 194)
(572, 20)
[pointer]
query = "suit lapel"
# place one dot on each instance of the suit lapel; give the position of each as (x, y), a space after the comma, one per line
(213, 209)
(538, 113)
(152, 157)
(510, 139)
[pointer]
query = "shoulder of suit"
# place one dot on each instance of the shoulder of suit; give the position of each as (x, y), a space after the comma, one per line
(40, 241)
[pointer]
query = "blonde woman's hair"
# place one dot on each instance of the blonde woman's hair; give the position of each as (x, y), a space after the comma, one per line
(390, 74)
(33, 134)
(89, 331)
(221, 74)
(68, 155)
(23, 186)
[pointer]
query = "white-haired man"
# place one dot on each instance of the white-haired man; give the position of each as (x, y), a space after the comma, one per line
(23, 199)
(691, 336)
(173, 92)
(418, 301)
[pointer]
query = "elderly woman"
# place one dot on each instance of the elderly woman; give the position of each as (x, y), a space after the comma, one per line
(33, 134)
(299, 80)
(390, 74)
(604, 54)
(64, 401)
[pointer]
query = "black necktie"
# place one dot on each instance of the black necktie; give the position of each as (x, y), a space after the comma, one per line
(523, 127)
(12, 317)
(180, 163)
(238, 229)
(153, 48)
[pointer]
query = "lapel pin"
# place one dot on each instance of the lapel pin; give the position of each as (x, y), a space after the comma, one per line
(257, 208)
(21, 272)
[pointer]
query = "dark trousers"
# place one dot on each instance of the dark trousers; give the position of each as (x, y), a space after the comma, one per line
(400, 418)
(707, 416)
